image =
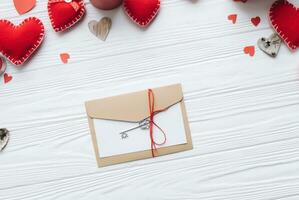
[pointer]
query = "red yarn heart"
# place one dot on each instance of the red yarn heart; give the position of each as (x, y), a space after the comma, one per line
(284, 18)
(65, 13)
(17, 43)
(142, 12)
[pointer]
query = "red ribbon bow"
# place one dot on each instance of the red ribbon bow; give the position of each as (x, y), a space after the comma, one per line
(152, 112)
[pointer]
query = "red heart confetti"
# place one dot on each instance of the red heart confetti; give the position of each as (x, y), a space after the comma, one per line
(256, 20)
(233, 18)
(250, 50)
(7, 78)
(64, 57)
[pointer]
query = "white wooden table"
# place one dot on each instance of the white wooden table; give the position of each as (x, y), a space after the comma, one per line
(243, 111)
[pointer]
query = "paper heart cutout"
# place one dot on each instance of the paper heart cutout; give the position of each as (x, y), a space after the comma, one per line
(64, 57)
(142, 12)
(7, 78)
(256, 20)
(284, 18)
(2, 65)
(270, 45)
(24, 6)
(250, 50)
(17, 43)
(233, 18)
(100, 29)
(65, 13)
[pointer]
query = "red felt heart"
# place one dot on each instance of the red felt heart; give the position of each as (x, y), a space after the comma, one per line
(142, 12)
(284, 18)
(17, 43)
(65, 13)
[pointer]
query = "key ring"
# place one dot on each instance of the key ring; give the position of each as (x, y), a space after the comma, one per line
(4, 138)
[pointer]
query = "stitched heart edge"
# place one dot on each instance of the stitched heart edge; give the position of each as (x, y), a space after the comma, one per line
(275, 26)
(35, 46)
(70, 24)
(148, 20)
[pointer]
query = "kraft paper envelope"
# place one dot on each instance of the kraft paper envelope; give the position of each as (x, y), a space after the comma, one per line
(108, 116)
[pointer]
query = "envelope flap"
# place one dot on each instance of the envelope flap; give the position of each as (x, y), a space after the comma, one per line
(133, 107)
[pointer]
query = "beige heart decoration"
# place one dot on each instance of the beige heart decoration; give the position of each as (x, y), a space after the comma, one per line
(100, 28)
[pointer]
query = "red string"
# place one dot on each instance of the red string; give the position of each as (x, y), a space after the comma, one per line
(151, 103)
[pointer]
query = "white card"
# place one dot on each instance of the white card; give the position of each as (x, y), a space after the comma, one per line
(111, 143)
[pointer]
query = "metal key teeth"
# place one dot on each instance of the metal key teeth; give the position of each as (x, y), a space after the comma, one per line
(144, 124)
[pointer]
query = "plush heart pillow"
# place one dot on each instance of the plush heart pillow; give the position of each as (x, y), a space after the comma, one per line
(142, 12)
(17, 43)
(65, 13)
(284, 18)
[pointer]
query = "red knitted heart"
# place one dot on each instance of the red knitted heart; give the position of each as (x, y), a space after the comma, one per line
(284, 18)
(17, 43)
(65, 13)
(142, 12)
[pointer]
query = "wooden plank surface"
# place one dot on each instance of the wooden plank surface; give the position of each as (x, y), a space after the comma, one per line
(243, 110)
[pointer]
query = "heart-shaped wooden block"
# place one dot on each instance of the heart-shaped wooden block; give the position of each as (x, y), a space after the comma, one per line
(100, 28)
(284, 18)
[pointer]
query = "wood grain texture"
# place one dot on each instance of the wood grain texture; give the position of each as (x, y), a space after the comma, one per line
(243, 110)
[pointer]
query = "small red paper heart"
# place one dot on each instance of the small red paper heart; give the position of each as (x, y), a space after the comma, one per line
(233, 18)
(7, 78)
(64, 57)
(142, 12)
(17, 43)
(256, 20)
(250, 50)
(284, 18)
(63, 14)
(23, 6)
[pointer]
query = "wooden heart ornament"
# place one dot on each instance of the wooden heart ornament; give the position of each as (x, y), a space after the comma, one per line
(17, 43)
(65, 13)
(284, 18)
(100, 29)
(142, 12)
